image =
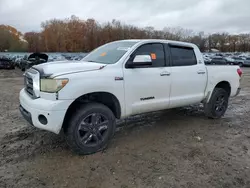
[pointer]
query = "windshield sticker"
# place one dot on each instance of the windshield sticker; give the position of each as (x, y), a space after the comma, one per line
(103, 54)
(123, 48)
(153, 56)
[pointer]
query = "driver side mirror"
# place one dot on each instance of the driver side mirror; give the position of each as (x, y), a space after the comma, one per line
(140, 60)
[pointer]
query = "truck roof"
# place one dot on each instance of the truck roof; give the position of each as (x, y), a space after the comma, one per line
(162, 41)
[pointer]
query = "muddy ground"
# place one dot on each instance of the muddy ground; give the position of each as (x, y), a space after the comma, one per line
(173, 148)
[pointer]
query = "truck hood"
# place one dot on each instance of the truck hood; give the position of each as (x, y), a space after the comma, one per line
(54, 69)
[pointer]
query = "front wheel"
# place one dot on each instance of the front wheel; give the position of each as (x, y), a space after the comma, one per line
(217, 105)
(90, 129)
(241, 64)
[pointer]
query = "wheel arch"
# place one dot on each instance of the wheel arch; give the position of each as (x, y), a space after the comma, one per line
(223, 85)
(106, 98)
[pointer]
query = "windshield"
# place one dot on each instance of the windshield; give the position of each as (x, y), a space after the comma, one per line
(109, 53)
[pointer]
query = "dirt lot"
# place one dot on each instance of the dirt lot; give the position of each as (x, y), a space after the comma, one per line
(174, 148)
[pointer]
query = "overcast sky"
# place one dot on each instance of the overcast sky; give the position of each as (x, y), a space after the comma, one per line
(231, 16)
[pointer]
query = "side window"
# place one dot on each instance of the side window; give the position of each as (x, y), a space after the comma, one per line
(182, 56)
(156, 51)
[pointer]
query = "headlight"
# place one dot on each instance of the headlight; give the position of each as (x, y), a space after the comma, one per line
(52, 85)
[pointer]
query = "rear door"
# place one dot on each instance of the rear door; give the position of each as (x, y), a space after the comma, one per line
(147, 88)
(189, 76)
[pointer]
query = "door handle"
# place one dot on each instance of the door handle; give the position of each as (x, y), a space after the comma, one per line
(165, 74)
(201, 72)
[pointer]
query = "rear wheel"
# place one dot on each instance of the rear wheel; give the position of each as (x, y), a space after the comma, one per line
(90, 129)
(218, 103)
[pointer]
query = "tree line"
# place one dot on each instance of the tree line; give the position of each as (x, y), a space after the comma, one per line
(10, 40)
(77, 35)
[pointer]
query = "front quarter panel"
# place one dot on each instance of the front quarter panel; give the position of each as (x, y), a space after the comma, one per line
(102, 80)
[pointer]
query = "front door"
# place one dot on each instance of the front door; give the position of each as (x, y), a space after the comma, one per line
(147, 88)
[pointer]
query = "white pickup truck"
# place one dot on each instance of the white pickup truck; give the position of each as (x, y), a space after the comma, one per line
(121, 79)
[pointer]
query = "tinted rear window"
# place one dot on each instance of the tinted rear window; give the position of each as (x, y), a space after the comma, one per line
(182, 56)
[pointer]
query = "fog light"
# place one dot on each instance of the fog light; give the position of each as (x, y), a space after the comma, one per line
(42, 119)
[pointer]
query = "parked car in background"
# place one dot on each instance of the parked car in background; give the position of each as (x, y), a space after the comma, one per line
(219, 61)
(247, 62)
(207, 60)
(68, 57)
(78, 58)
(243, 57)
(219, 54)
(238, 61)
(18, 61)
(52, 58)
(229, 60)
(33, 59)
(6, 63)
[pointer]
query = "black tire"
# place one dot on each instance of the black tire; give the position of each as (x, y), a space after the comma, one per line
(81, 128)
(241, 64)
(217, 105)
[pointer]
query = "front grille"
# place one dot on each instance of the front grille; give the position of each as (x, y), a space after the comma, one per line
(32, 83)
(29, 85)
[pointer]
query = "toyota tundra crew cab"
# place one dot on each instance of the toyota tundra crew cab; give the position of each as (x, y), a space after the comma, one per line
(120, 79)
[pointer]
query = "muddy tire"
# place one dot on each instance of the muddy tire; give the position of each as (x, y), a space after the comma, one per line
(217, 105)
(90, 128)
